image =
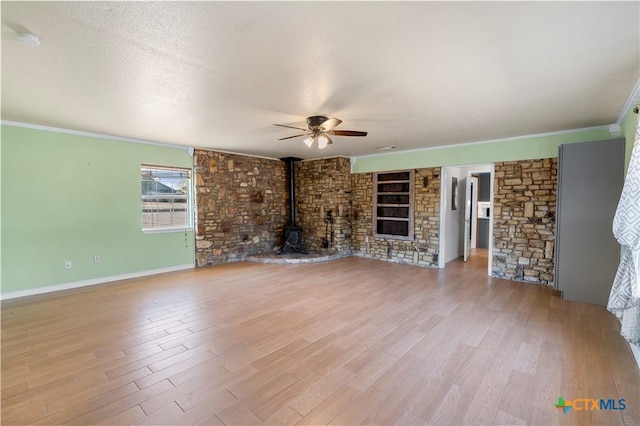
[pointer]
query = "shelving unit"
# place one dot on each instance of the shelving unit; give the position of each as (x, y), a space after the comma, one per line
(393, 205)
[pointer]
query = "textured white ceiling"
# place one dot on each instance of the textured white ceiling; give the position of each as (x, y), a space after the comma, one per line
(413, 74)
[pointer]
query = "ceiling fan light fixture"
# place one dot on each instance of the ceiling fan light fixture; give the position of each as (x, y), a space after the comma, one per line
(323, 141)
(309, 141)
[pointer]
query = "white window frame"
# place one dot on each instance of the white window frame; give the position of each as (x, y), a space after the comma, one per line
(189, 197)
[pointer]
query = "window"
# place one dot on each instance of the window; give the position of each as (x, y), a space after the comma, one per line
(393, 205)
(165, 198)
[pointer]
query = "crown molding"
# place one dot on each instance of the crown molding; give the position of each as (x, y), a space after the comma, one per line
(511, 139)
(634, 97)
(90, 134)
(189, 149)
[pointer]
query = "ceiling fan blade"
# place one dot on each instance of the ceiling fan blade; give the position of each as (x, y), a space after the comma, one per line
(291, 127)
(331, 123)
(347, 133)
(296, 136)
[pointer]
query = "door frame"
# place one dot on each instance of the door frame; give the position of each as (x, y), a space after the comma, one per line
(474, 213)
(466, 216)
(445, 192)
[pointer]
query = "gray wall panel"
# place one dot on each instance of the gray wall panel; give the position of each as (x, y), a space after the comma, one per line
(590, 178)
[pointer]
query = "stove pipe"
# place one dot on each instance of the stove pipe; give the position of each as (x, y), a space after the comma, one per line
(291, 174)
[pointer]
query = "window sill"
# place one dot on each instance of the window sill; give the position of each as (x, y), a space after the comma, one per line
(167, 230)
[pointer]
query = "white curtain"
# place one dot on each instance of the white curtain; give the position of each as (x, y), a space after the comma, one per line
(624, 300)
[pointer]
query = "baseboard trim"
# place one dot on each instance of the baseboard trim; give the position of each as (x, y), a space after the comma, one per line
(94, 281)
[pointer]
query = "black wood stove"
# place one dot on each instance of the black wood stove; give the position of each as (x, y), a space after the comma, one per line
(292, 237)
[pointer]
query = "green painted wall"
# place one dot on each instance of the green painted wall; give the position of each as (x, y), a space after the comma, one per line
(479, 153)
(70, 197)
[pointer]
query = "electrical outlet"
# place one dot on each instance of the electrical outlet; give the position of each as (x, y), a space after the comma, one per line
(67, 264)
(96, 259)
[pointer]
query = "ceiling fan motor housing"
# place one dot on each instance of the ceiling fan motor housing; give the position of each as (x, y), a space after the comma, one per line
(315, 122)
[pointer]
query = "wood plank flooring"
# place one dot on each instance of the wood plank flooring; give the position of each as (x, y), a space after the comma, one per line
(350, 341)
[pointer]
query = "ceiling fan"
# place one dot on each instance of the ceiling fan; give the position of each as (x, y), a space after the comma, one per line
(320, 127)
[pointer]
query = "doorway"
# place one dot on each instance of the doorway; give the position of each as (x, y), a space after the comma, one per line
(466, 219)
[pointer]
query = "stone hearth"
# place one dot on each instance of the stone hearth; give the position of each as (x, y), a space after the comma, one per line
(294, 257)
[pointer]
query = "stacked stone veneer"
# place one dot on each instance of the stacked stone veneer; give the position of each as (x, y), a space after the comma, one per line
(241, 206)
(423, 251)
(323, 185)
(524, 220)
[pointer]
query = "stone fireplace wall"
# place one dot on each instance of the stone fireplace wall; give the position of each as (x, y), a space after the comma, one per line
(524, 220)
(423, 251)
(241, 206)
(323, 185)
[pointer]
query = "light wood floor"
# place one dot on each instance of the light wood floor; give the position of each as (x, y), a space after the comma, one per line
(351, 341)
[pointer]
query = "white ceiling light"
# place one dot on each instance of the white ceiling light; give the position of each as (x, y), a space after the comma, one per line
(29, 39)
(323, 141)
(309, 141)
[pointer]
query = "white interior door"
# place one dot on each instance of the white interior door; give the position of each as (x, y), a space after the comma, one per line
(467, 215)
